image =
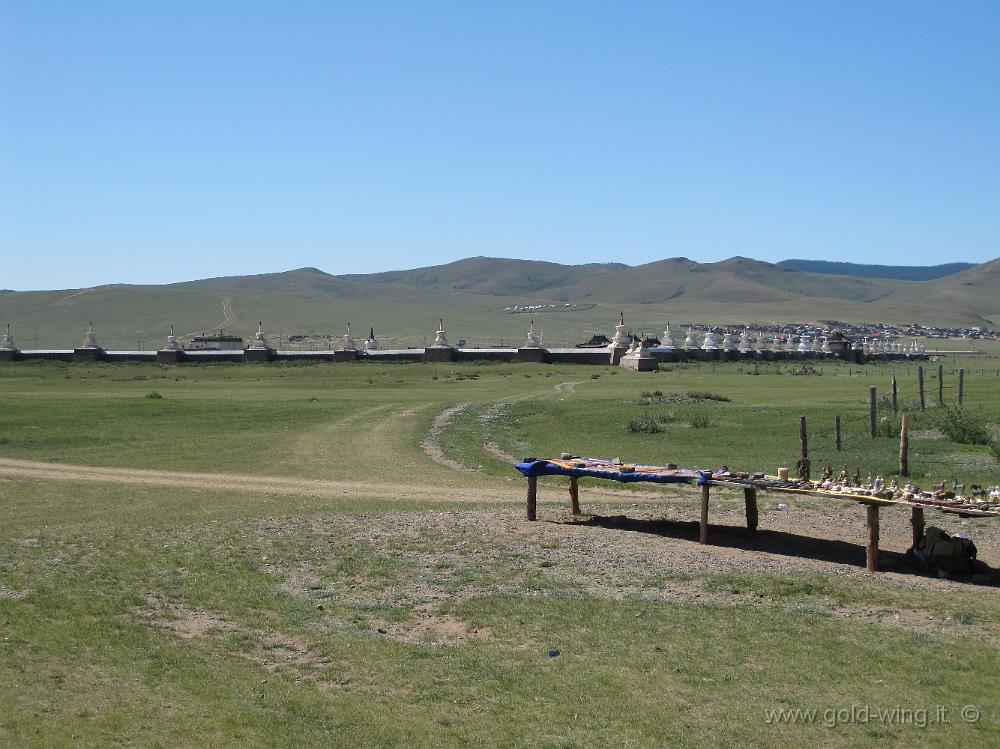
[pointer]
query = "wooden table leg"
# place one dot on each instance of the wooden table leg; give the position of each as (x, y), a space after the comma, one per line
(750, 499)
(532, 496)
(917, 521)
(574, 496)
(872, 548)
(703, 535)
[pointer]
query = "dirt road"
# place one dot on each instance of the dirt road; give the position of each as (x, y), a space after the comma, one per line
(27, 469)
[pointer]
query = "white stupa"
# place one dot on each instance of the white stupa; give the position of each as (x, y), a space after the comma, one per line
(371, 342)
(638, 357)
(727, 342)
(172, 344)
(259, 340)
(347, 341)
(440, 339)
(826, 346)
(534, 338)
(745, 347)
(91, 340)
(668, 339)
(622, 339)
(709, 343)
(7, 342)
(761, 344)
(803, 344)
(689, 340)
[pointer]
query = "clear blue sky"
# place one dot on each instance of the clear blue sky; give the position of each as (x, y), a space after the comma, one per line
(151, 142)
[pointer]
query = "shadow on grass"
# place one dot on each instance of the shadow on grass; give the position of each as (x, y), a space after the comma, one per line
(775, 542)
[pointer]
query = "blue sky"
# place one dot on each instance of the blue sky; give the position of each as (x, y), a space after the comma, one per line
(155, 142)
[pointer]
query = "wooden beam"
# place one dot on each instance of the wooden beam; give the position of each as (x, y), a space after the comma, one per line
(871, 512)
(574, 496)
(917, 521)
(532, 497)
(750, 499)
(703, 530)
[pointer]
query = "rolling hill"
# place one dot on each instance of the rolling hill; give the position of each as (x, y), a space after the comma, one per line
(899, 272)
(475, 296)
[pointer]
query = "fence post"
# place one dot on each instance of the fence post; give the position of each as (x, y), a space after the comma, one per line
(836, 431)
(895, 407)
(872, 418)
(940, 384)
(920, 384)
(904, 445)
(804, 444)
(961, 385)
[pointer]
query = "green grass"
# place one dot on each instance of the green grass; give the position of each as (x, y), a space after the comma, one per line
(307, 618)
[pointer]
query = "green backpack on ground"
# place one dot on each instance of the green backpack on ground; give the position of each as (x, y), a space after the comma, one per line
(948, 553)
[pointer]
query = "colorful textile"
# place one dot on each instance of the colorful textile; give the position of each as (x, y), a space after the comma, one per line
(616, 471)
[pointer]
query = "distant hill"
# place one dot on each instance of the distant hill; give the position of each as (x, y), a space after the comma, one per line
(898, 272)
(477, 298)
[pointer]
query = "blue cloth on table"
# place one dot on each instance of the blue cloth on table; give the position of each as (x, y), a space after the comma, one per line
(605, 469)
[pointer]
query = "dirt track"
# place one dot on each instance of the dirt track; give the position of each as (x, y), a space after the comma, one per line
(27, 469)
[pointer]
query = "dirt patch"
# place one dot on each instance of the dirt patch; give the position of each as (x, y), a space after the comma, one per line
(650, 554)
(11, 593)
(430, 444)
(566, 389)
(429, 626)
(275, 652)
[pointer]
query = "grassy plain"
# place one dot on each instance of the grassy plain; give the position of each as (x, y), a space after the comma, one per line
(179, 616)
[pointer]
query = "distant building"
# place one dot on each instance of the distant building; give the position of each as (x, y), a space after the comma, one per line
(838, 342)
(216, 343)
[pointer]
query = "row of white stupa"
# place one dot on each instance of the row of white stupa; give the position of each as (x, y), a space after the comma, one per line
(622, 339)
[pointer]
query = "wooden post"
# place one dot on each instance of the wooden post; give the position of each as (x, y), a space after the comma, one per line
(703, 530)
(917, 521)
(920, 385)
(904, 445)
(803, 471)
(574, 496)
(940, 384)
(872, 411)
(836, 431)
(871, 551)
(750, 499)
(803, 438)
(532, 496)
(961, 385)
(895, 407)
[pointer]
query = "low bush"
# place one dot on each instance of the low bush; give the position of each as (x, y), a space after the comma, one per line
(964, 427)
(645, 424)
(154, 395)
(701, 421)
(700, 396)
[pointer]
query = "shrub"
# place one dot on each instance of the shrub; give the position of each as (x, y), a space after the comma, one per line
(701, 421)
(962, 426)
(154, 395)
(645, 424)
(696, 395)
